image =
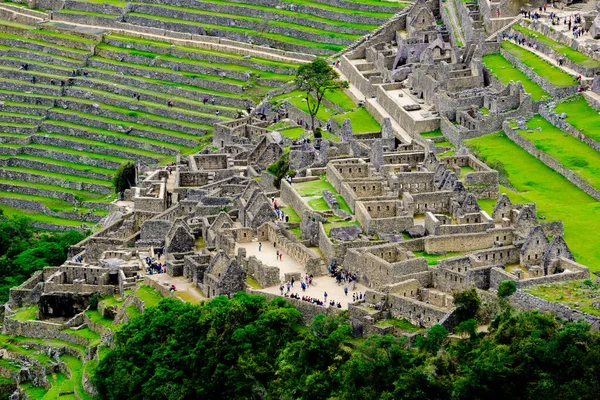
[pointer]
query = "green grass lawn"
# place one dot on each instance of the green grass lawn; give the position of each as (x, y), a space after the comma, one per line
(26, 314)
(432, 134)
(543, 68)
(361, 120)
(292, 133)
(98, 318)
(336, 223)
(581, 115)
(505, 72)
(79, 194)
(433, 259)
(291, 213)
(92, 337)
(314, 188)
(569, 293)
(573, 55)
(319, 204)
(148, 295)
(403, 324)
(340, 99)
(39, 217)
(555, 196)
(570, 152)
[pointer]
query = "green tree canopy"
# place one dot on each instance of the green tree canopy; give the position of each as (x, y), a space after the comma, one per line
(315, 79)
(506, 288)
(124, 177)
(467, 304)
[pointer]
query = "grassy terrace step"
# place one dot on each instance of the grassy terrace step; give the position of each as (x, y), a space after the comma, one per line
(42, 31)
(163, 106)
(101, 145)
(92, 117)
(505, 72)
(201, 91)
(376, 14)
(39, 217)
(5, 115)
(581, 115)
(239, 9)
(127, 40)
(140, 68)
(573, 55)
(555, 196)
(80, 153)
(200, 13)
(129, 113)
(250, 32)
(66, 70)
(80, 194)
(68, 164)
(543, 68)
(65, 177)
(20, 39)
(570, 152)
(52, 203)
(57, 57)
(207, 64)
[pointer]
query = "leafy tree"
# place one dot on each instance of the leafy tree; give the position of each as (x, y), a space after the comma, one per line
(434, 339)
(279, 169)
(124, 177)
(467, 304)
(315, 79)
(506, 288)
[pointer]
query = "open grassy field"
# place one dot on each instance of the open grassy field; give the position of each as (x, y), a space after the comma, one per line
(543, 68)
(505, 72)
(555, 196)
(570, 292)
(573, 55)
(570, 152)
(581, 116)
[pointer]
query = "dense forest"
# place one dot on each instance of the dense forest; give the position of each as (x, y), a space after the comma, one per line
(24, 250)
(249, 348)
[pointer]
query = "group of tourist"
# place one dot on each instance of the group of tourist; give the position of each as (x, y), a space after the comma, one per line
(152, 267)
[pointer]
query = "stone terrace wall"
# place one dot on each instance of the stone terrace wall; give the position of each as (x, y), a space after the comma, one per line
(558, 92)
(526, 301)
(550, 161)
(564, 126)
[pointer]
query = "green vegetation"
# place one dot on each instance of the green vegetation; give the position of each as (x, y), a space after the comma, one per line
(148, 295)
(577, 156)
(432, 134)
(505, 72)
(432, 259)
(573, 55)
(361, 120)
(227, 348)
(291, 213)
(581, 116)
(92, 337)
(124, 177)
(24, 251)
(543, 68)
(403, 324)
(280, 169)
(582, 293)
(26, 314)
(556, 198)
(316, 79)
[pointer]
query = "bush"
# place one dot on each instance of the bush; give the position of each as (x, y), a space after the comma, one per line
(279, 169)
(124, 177)
(506, 288)
(467, 304)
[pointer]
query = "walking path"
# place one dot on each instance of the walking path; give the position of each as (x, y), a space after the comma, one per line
(457, 26)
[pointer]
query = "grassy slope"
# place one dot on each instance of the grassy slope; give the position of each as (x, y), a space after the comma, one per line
(543, 68)
(570, 152)
(556, 197)
(581, 116)
(505, 72)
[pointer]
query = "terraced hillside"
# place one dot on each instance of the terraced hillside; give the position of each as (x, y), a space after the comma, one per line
(77, 105)
(307, 26)
(555, 155)
(53, 359)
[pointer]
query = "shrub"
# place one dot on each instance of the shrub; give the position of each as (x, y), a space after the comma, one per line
(506, 288)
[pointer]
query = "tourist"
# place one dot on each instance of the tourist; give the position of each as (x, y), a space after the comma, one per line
(293, 280)
(339, 305)
(346, 290)
(277, 256)
(325, 296)
(212, 101)
(353, 296)
(170, 103)
(172, 288)
(259, 246)
(288, 285)
(498, 12)
(360, 296)
(303, 286)
(33, 79)
(280, 256)
(205, 100)
(217, 113)
(281, 289)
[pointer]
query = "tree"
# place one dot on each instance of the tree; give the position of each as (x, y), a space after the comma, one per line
(315, 79)
(467, 304)
(124, 177)
(506, 288)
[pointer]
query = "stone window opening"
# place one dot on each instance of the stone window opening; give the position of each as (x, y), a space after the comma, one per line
(528, 258)
(497, 238)
(537, 241)
(559, 252)
(504, 237)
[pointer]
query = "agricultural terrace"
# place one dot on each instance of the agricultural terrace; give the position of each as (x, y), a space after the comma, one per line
(526, 179)
(505, 72)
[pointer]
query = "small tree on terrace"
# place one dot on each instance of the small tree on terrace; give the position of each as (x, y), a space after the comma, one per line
(315, 79)
(124, 177)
